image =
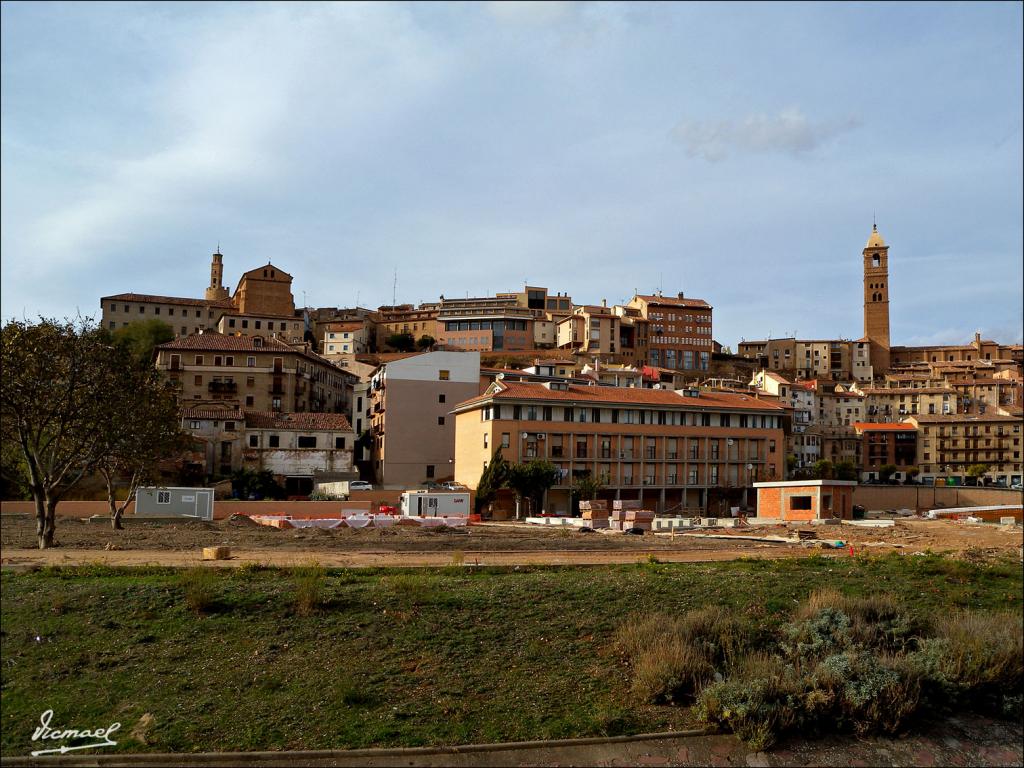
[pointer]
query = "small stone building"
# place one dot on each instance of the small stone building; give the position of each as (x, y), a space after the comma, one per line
(805, 500)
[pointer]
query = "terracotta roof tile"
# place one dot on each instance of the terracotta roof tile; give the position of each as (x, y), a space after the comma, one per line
(675, 301)
(622, 396)
(148, 298)
(324, 422)
(211, 412)
(211, 340)
(883, 427)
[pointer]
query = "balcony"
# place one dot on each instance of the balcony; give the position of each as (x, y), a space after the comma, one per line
(222, 387)
(276, 389)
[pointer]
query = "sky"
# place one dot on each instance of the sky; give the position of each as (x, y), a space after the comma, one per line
(733, 152)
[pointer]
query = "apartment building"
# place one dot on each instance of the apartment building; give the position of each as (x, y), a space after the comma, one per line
(949, 445)
(404, 318)
(679, 331)
(344, 338)
(287, 328)
(184, 316)
(411, 425)
(883, 404)
(670, 449)
(977, 350)
(892, 444)
(590, 329)
(257, 372)
(485, 325)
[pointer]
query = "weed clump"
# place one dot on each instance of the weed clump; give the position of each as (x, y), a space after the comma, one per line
(200, 588)
(857, 664)
(310, 581)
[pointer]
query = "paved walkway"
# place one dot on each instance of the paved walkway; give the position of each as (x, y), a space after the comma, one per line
(967, 741)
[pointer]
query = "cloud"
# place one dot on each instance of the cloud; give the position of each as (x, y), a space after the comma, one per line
(789, 132)
(530, 11)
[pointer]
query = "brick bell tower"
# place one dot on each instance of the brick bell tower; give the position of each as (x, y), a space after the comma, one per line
(216, 291)
(876, 300)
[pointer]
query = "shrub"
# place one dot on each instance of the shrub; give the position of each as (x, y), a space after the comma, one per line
(825, 633)
(670, 671)
(867, 694)
(309, 588)
(877, 621)
(200, 588)
(976, 659)
(758, 703)
(723, 636)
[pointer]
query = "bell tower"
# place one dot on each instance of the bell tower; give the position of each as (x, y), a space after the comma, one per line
(876, 300)
(216, 291)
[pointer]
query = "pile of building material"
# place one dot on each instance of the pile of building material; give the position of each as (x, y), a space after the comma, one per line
(357, 521)
(990, 514)
(595, 513)
(626, 514)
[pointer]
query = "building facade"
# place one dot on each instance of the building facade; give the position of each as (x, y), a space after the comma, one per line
(412, 428)
(949, 445)
(255, 372)
(670, 449)
(679, 331)
(886, 445)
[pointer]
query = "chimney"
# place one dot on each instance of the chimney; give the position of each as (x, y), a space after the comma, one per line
(604, 303)
(681, 296)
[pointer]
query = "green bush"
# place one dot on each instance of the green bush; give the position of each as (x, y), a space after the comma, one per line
(758, 703)
(867, 694)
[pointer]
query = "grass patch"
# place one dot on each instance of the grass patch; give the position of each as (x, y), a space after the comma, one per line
(200, 590)
(309, 588)
(388, 658)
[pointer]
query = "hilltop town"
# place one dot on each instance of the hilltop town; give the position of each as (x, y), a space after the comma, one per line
(639, 395)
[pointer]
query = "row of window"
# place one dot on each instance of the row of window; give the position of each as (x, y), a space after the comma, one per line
(274, 441)
(495, 326)
(156, 310)
(257, 324)
(628, 416)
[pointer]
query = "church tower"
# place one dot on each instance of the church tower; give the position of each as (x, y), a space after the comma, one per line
(216, 291)
(876, 300)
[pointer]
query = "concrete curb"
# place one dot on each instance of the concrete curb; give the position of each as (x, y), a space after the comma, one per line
(324, 757)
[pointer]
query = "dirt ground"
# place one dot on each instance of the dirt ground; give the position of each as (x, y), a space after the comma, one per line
(144, 542)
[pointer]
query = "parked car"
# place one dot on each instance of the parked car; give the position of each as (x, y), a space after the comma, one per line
(360, 485)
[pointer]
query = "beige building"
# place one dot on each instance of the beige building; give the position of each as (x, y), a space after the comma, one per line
(888, 404)
(346, 338)
(404, 318)
(412, 428)
(300, 449)
(876, 300)
(673, 450)
(948, 445)
(255, 372)
(262, 303)
(679, 331)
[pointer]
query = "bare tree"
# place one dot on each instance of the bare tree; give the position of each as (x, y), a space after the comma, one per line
(142, 429)
(56, 378)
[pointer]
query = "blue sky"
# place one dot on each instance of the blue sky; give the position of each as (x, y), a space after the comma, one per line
(736, 153)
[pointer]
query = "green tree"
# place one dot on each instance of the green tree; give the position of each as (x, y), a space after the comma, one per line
(142, 430)
(977, 471)
(261, 485)
(530, 481)
(59, 379)
(886, 471)
(494, 477)
(425, 342)
(844, 470)
(822, 470)
(586, 486)
(401, 342)
(140, 337)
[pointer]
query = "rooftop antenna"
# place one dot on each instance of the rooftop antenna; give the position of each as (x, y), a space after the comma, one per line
(394, 288)
(357, 299)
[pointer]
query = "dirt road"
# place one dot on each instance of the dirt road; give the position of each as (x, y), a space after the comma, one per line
(270, 557)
